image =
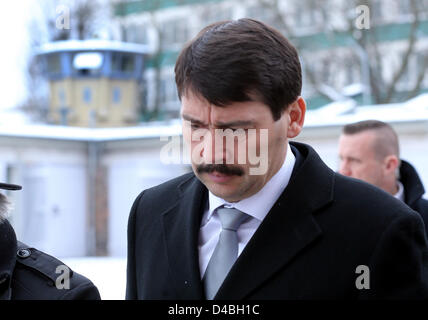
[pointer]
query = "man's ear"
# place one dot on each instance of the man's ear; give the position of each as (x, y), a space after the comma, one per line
(296, 113)
(391, 163)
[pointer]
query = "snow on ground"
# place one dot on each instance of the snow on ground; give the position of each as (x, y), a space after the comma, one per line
(107, 273)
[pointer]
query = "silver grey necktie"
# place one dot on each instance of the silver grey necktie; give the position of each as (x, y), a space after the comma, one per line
(226, 251)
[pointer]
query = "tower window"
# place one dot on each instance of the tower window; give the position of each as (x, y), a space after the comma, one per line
(123, 62)
(87, 63)
(87, 95)
(116, 95)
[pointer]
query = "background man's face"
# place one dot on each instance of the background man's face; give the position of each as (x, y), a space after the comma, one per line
(233, 182)
(358, 158)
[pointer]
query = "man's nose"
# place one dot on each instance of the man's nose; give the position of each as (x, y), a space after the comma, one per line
(215, 149)
(344, 169)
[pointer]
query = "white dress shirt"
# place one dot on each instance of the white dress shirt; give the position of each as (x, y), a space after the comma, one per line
(400, 193)
(257, 206)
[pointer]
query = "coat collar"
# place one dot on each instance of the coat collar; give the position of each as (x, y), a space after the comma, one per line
(8, 247)
(181, 230)
(413, 187)
(287, 229)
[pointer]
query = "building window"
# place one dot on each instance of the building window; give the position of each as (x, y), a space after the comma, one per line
(404, 8)
(136, 33)
(377, 11)
(123, 62)
(215, 13)
(87, 63)
(53, 63)
(168, 92)
(174, 32)
(116, 95)
(61, 96)
(87, 95)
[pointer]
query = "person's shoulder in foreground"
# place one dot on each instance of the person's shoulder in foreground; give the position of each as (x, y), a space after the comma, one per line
(30, 274)
(40, 276)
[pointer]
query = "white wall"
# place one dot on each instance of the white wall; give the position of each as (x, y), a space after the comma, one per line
(50, 210)
(129, 173)
(54, 208)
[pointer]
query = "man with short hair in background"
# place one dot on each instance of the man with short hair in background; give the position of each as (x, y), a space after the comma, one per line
(369, 151)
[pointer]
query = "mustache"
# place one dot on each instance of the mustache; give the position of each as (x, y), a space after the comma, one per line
(220, 168)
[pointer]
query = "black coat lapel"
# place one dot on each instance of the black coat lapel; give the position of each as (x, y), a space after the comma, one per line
(181, 227)
(288, 228)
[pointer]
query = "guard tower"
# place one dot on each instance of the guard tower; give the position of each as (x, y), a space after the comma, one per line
(94, 83)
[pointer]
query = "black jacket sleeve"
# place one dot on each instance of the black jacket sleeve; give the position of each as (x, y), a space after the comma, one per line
(84, 291)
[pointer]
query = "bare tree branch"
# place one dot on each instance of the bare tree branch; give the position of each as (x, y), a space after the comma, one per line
(279, 19)
(420, 78)
(405, 61)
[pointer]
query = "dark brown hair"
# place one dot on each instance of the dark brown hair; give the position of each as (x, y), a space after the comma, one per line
(237, 61)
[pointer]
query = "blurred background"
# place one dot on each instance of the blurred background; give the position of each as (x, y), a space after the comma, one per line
(89, 99)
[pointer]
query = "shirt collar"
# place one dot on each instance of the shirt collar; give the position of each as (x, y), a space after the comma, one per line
(259, 204)
(400, 193)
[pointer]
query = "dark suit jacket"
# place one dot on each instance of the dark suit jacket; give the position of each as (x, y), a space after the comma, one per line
(309, 246)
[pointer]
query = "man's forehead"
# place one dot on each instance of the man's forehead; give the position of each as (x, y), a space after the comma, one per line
(198, 109)
(358, 142)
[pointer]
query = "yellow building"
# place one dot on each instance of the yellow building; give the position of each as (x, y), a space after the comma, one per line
(94, 83)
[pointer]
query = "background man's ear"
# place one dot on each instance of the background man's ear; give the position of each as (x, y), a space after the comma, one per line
(391, 163)
(296, 113)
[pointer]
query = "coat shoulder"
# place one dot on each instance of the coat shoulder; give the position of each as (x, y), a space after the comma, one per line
(170, 185)
(368, 202)
(163, 195)
(421, 206)
(40, 276)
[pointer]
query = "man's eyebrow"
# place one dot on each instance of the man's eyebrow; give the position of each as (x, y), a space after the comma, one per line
(189, 118)
(353, 158)
(238, 123)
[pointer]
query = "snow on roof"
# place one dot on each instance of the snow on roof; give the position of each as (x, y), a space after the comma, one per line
(353, 89)
(90, 134)
(418, 103)
(92, 45)
(15, 116)
(340, 113)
